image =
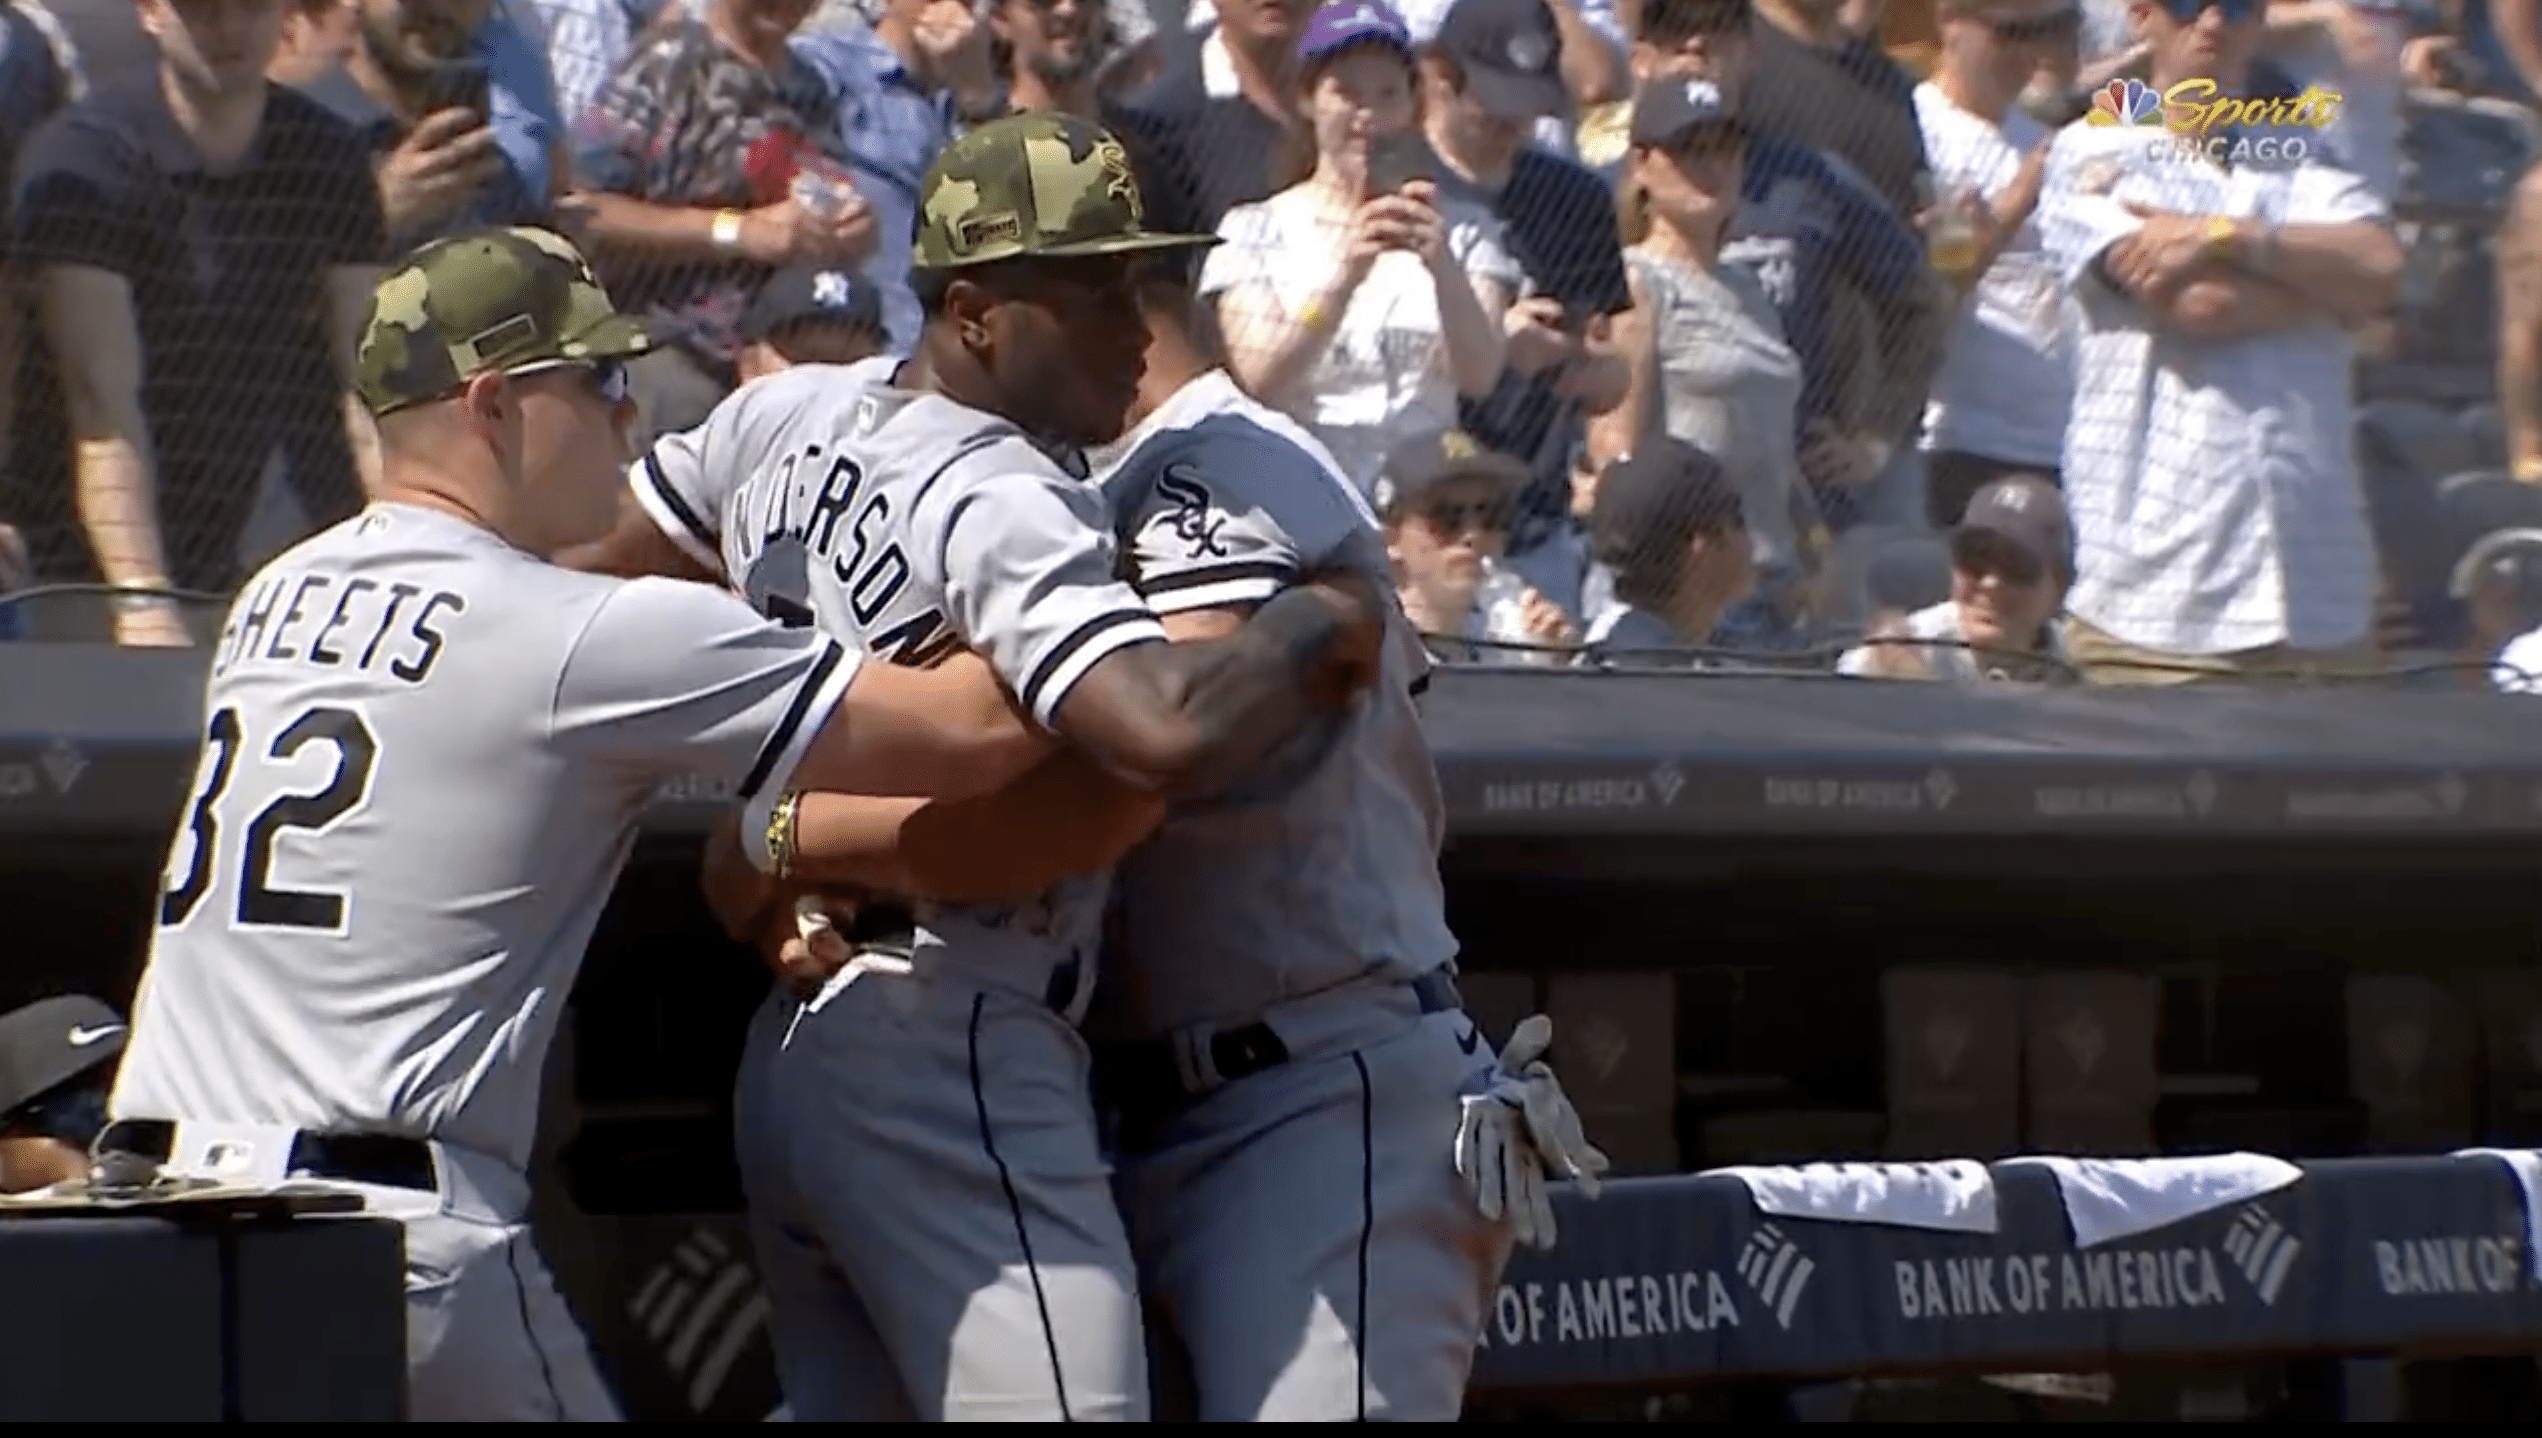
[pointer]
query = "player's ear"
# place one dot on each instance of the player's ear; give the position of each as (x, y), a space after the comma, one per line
(489, 404)
(968, 303)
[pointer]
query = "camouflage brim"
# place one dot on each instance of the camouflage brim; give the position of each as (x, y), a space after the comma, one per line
(1036, 185)
(488, 300)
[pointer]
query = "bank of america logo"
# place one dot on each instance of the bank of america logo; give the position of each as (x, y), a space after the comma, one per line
(1776, 1271)
(2261, 1247)
(2126, 102)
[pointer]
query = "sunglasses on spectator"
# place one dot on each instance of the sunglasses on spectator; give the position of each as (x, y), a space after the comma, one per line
(2236, 12)
(1466, 516)
(1984, 556)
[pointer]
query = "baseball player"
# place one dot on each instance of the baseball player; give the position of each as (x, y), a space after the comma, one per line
(1280, 1029)
(936, 1226)
(425, 753)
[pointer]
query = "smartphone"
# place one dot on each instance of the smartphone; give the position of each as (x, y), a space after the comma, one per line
(1395, 159)
(458, 86)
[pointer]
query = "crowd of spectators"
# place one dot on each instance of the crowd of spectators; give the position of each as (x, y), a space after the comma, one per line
(1832, 335)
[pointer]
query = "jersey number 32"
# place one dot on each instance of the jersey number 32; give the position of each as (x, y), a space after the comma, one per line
(261, 904)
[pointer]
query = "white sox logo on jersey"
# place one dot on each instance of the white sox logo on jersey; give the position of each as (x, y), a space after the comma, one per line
(1194, 518)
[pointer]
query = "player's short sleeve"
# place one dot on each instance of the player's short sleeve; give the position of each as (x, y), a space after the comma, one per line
(1031, 580)
(1229, 519)
(675, 490)
(670, 678)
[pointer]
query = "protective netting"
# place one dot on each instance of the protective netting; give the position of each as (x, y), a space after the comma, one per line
(1815, 346)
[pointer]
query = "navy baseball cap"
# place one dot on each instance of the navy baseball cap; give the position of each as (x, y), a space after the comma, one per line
(802, 294)
(1653, 502)
(2026, 511)
(1511, 56)
(1335, 28)
(1667, 113)
(51, 1042)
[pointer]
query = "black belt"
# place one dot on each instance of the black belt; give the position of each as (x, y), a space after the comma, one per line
(1140, 1070)
(380, 1160)
(894, 930)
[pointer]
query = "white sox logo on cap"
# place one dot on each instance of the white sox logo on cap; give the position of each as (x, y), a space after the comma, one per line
(829, 289)
(1529, 51)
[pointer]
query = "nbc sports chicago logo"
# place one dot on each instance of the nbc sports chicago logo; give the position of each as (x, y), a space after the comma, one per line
(2195, 120)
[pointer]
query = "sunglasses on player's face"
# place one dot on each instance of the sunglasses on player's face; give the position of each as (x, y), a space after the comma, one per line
(2235, 12)
(608, 377)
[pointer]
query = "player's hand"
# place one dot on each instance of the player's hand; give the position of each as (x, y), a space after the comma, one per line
(437, 169)
(811, 951)
(1515, 1129)
(743, 899)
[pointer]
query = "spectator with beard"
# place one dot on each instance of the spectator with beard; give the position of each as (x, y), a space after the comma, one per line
(1479, 108)
(1052, 51)
(1208, 134)
(425, 97)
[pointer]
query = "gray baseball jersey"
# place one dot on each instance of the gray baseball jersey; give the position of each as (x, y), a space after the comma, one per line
(423, 762)
(912, 526)
(1233, 906)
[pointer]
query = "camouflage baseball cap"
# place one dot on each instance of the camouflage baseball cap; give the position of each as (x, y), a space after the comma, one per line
(491, 299)
(1039, 184)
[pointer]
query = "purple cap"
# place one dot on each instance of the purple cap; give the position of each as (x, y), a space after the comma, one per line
(1336, 28)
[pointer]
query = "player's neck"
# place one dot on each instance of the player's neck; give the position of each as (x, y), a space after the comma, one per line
(439, 493)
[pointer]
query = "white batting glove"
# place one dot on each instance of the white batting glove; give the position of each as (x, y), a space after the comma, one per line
(1515, 1129)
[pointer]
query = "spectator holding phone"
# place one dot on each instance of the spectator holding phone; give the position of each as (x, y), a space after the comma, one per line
(1357, 298)
(713, 156)
(416, 87)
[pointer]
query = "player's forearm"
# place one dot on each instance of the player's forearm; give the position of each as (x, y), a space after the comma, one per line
(1066, 817)
(119, 509)
(1207, 712)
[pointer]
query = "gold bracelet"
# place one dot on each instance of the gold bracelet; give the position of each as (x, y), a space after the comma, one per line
(780, 838)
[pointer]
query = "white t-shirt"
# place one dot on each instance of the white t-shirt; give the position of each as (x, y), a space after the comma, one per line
(2007, 381)
(1383, 377)
(1946, 658)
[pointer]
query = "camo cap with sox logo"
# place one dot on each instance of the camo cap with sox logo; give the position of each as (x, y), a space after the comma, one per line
(1036, 184)
(487, 300)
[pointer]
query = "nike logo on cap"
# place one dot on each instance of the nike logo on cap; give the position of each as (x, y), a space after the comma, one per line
(83, 1037)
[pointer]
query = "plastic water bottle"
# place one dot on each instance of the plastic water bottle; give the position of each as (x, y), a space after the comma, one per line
(822, 194)
(1501, 599)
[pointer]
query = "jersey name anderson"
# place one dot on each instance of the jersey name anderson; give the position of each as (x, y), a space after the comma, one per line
(910, 526)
